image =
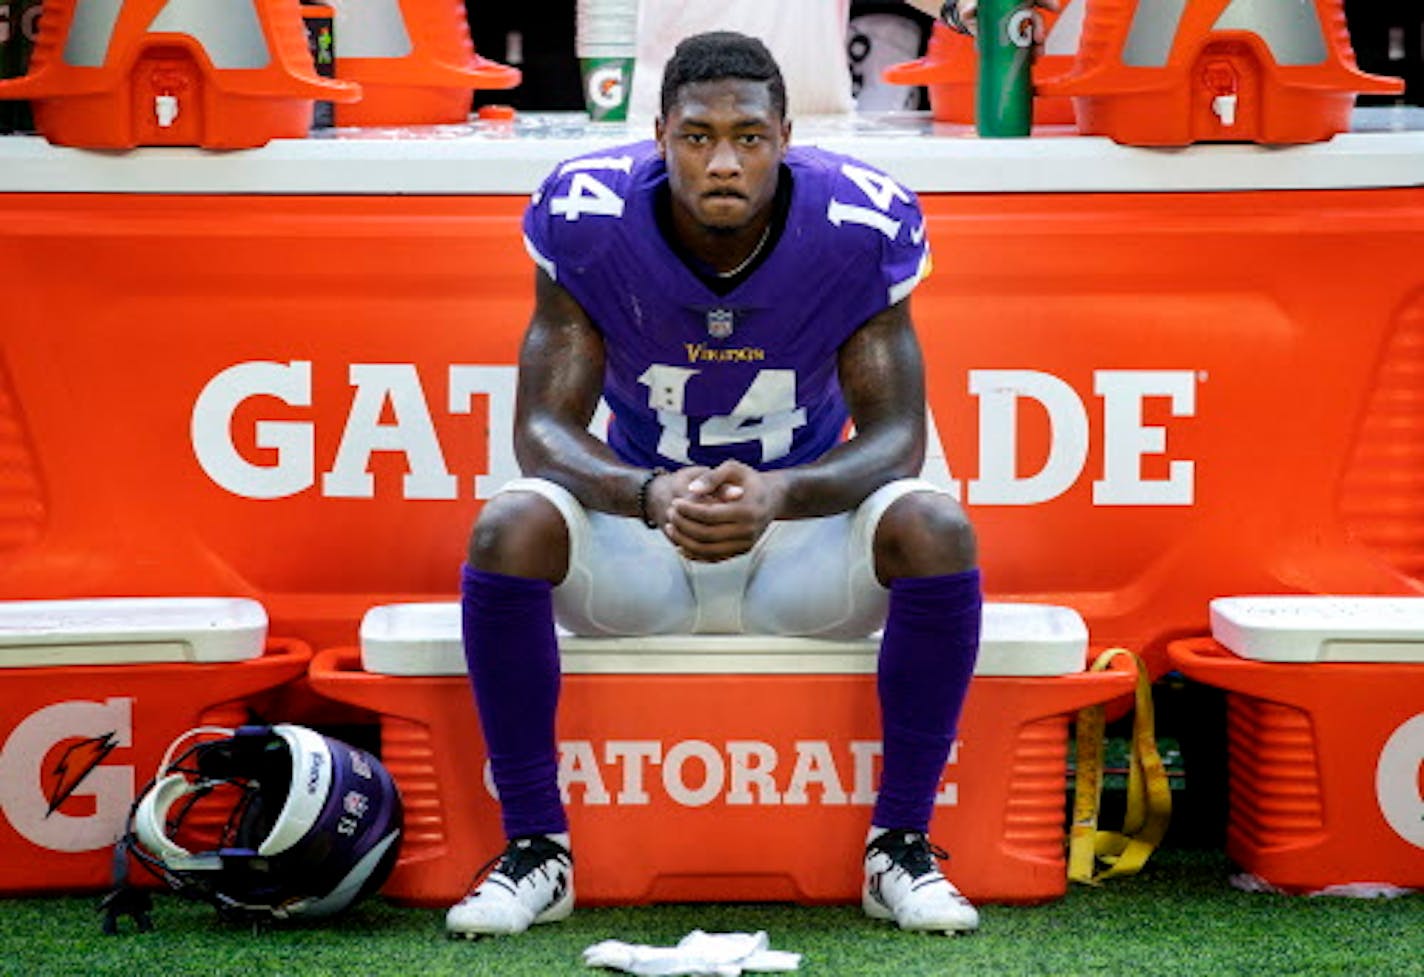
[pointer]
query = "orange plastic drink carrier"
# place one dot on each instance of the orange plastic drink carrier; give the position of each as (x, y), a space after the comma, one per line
(414, 60)
(1325, 719)
(726, 767)
(95, 691)
(1216, 70)
(227, 75)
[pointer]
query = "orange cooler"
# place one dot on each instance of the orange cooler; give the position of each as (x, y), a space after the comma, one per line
(1209, 392)
(414, 60)
(727, 767)
(94, 691)
(128, 73)
(1326, 736)
(1162, 74)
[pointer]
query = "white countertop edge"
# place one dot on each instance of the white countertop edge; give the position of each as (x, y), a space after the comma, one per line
(463, 163)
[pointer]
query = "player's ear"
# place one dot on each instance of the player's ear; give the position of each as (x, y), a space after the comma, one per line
(660, 135)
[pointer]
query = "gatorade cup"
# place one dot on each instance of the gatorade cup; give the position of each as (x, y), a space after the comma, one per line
(606, 35)
(607, 83)
(1004, 102)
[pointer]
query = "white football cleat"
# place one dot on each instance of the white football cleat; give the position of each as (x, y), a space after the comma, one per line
(903, 883)
(531, 882)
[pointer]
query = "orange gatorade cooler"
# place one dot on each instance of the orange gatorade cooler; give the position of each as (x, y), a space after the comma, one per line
(1169, 74)
(127, 73)
(414, 60)
(94, 692)
(727, 767)
(1325, 736)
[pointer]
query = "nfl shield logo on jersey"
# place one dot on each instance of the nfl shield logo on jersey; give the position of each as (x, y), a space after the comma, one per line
(720, 323)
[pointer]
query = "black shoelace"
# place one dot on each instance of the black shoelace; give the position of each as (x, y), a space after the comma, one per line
(911, 851)
(521, 857)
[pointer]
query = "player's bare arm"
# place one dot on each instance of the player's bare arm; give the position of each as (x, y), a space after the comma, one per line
(560, 381)
(882, 378)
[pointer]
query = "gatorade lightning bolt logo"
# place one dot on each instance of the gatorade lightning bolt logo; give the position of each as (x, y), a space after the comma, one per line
(605, 86)
(76, 763)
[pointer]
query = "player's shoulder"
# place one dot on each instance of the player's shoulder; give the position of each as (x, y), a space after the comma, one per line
(577, 183)
(582, 202)
(859, 200)
(840, 175)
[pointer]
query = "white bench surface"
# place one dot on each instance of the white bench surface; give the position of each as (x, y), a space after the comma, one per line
(1017, 639)
(1308, 628)
(1382, 149)
(130, 630)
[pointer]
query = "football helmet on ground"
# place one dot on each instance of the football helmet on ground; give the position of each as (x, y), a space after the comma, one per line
(268, 821)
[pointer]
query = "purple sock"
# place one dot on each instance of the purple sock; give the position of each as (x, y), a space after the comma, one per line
(926, 658)
(513, 658)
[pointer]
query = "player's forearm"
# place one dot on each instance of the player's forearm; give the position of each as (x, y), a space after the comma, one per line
(882, 379)
(842, 478)
(581, 463)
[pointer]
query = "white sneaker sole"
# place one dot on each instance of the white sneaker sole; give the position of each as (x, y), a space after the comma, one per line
(875, 909)
(556, 913)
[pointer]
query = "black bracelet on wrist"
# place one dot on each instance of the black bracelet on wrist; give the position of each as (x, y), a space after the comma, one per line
(643, 489)
(949, 13)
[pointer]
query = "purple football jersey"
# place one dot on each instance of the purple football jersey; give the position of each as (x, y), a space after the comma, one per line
(696, 378)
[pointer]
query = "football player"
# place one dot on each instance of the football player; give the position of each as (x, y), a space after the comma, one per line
(737, 301)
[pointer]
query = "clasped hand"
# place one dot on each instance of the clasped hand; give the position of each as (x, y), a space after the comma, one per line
(713, 514)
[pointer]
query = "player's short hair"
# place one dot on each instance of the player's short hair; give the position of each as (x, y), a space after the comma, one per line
(716, 55)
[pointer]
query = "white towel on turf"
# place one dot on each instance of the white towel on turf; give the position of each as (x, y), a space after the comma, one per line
(697, 953)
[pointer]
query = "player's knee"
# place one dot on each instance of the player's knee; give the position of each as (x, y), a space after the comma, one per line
(924, 534)
(521, 534)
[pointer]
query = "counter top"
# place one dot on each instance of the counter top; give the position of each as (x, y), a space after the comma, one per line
(1385, 148)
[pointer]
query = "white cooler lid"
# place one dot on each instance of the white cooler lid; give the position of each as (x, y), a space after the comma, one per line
(1018, 639)
(1309, 628)
(130, 631)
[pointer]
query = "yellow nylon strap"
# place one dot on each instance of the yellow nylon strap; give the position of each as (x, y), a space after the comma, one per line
(1149, 797)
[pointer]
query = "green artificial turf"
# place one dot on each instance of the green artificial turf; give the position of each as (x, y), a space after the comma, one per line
(1179, 917)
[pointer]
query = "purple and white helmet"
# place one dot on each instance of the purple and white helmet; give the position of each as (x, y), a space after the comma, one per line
(277, 821)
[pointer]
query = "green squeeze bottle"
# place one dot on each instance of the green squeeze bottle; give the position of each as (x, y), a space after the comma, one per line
(1004, 98)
